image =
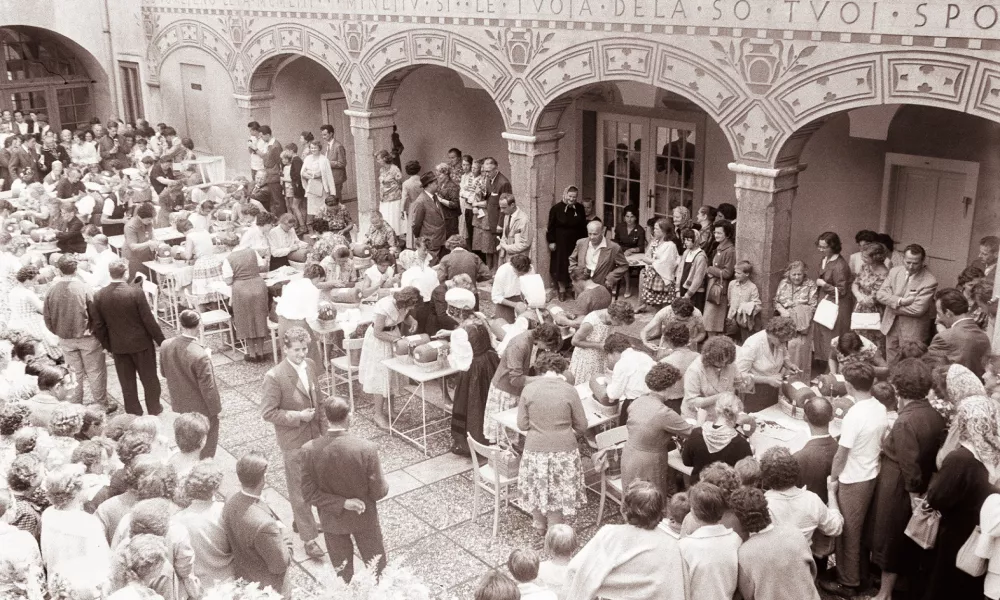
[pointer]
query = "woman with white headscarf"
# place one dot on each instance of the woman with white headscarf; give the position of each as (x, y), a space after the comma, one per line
(960, 383)
(967, 477)
(472, 353)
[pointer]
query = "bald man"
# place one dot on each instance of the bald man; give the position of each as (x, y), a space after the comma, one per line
(603, 258)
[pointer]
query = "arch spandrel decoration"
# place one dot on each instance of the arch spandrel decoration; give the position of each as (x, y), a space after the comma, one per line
(301, 40)
(189, 34)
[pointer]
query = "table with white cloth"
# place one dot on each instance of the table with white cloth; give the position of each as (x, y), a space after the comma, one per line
(172, 277)
(160, 234)
(417, 435)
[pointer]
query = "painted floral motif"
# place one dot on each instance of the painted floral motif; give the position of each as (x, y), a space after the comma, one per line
(520, 46)
(762, 62)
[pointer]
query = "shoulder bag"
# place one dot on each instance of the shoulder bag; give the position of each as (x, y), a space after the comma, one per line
(827, 311)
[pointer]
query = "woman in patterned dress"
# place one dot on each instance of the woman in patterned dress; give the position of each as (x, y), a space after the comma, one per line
(656, 284)
(588, 341)
(26, 311)
(869, 279)
(390, 190)
(796, 299)
(381, 235)
(250, 302)
(391, 313)
(473, 354)
(550, 480)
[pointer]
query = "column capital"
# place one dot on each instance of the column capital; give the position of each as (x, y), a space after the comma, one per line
(377, 118)
(532, 145)
(764, 179)
(253, 101)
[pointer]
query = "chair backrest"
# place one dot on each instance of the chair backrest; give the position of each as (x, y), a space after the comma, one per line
(611, 437)
(353, 343)
(488, 452)
(192, 302)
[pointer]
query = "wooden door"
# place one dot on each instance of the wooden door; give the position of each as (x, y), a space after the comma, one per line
(932, 203)
(197, 120)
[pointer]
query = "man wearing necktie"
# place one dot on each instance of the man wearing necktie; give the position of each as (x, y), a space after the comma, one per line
(290, 401)
(517, 233)
(908, 297)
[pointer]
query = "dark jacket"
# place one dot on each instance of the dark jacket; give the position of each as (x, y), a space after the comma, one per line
(337, 467)
(260, 550)
(491, 193)
(71, 239)
(68, 309)
(428, 221)
(815, 463)
(123, 322)
(272, 162)
(611, 263)
(187, 367)
(284, 394)
(963, 343)
(913, 442)
(296, 169)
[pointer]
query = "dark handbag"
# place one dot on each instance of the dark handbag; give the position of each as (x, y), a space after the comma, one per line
(715, 292)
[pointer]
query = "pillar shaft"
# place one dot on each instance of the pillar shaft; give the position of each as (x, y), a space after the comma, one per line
(372, 131)
(251, 107)
(533, 179)
(764, 223)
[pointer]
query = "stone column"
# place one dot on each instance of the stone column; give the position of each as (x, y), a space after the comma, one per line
(533, 179)
(764, 223)
(372, 131)
(996, 292)
(252, 107)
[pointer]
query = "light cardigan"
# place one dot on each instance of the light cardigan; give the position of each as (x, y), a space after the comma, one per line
(71, 536)
(317, 176)
(711, 562)
(799, 508)
(755, 357)
(664, 259)
(627, 563)
(203, 522)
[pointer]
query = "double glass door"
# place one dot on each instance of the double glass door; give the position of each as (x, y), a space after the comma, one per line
(650, 165)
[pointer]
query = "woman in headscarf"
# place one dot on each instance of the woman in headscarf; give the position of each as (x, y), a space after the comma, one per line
(473, 354)
(718, 441)
(967, 477)
(960, 383)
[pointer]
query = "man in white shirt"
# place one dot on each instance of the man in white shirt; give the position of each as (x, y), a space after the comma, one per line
(99, 255)
(254, 146)
(855, 469)
(506, 292)
(796, 506)
(628, 377)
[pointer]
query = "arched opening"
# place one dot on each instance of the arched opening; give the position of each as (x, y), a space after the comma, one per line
(629, 144)
(438, 109)
(931, 176)
(46, 73)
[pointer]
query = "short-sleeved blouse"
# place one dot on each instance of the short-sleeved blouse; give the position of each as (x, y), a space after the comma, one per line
(387, 308)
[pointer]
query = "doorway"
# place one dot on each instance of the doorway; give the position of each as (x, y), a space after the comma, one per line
(931, 202)
(333, 109)
(649, 164)
(196, 105)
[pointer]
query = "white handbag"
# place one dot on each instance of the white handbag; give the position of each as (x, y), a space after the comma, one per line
(866, 321)
(826, 312)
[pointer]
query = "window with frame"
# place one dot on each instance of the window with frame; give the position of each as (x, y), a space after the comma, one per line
(131, 90)
(74, 107)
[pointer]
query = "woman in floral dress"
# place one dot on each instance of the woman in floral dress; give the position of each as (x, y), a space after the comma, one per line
(873, 272)
(656, 284)
(381, 235)
(796, 299)
(391, 313)
(390, 191)
(550, 481)
(26, 311)
(588, 341)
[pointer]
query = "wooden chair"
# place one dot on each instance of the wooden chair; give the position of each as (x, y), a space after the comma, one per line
(488, 479)
(341, 369)
(213, 322)
(609, 441)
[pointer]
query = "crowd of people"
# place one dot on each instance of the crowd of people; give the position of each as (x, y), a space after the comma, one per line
(99, 502)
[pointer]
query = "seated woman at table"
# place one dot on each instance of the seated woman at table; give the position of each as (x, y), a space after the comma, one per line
(69, 238)
(652, 426)
(717, 440)
(202, 216)
(340, 271)
(380, 234)
(249, 300)
(550, 480)
(256, 235)
(391, 316)
(414, 271)
(681, 310)
(709, 377)
(588, 341)
(285, 243)
(473, 354)
(763, 359)
(298, 303)
(850, 346)
(381, 275)
(32, 205)
(441, 318)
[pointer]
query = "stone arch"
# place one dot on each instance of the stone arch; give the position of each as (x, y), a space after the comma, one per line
(382, 67)
(937, 79)
(190, 34)
(267, 50)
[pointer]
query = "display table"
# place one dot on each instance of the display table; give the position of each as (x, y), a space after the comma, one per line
(591, 408)
(174, 276)
(160, 234)
(422, 378)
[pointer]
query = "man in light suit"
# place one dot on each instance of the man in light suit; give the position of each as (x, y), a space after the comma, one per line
(516, 231)
(187, 367)
(342, 478)
(963, 342)
(261, 551)
(602, 257)
(427, 217)
(908, 296)
(290, 400)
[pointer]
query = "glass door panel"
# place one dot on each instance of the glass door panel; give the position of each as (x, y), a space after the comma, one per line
(620, 164)
(674, 166)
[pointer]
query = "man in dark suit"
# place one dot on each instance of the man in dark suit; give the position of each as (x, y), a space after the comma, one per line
(24, 156)
(427, 217)
(816, 457)
(496, 184)
(270, 153)
(290, 401)
(963, 342)
(187, 367)
(128, 330)
(602, 257)
(261, 551)
(342, 478)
